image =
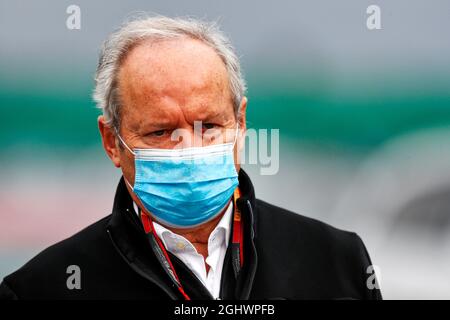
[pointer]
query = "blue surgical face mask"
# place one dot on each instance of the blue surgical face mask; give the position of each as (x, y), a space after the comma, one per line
(184, 188)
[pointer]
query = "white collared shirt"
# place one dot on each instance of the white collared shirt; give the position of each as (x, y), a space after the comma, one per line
(184, 250)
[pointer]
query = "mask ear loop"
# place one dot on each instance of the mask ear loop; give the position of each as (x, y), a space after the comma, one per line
(132, 152)
(236, 135)
(123, 142)
(129, 184)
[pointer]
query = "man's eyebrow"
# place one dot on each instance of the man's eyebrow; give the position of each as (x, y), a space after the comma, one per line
(211, 114)
(156, 123)
(156, 127)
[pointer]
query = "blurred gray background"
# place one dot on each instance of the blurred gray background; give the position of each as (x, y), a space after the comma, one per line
(363, 116)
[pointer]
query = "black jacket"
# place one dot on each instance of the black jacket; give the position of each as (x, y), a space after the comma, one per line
(287, 256)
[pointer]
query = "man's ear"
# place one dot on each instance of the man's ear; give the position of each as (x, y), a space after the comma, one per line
(109, 141)
(242, 122)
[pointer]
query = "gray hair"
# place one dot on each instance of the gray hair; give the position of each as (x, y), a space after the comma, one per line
(117, 45)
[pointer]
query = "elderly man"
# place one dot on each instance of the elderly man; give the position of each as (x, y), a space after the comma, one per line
(185, 222)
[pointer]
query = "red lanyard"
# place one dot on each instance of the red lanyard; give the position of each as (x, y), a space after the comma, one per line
(163, 256)
(238, 236)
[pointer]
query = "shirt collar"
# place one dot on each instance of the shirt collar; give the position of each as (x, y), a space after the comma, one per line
(225, 222)
(168, 237)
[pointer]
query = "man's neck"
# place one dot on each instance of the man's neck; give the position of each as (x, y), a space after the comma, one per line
(201, 233)
(196, 235)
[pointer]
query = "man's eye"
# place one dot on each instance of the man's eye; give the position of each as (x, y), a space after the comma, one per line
(158, 133)
(208, 126)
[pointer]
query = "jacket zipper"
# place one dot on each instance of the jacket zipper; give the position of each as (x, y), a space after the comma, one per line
(189, 271)
(248, 284)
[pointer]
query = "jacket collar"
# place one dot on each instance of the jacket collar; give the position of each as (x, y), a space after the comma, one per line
(130, 240)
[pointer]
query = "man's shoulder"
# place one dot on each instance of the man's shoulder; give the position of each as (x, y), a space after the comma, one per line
(281, 220)
(53, 262)
(75, 246)
(324, 261)
(314, 242)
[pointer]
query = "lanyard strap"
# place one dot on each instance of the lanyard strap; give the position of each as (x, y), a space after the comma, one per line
(237, 250)
(161, 253)
(164, 259)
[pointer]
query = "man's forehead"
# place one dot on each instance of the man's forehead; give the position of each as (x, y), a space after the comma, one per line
(160, 82)
(178, 65)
